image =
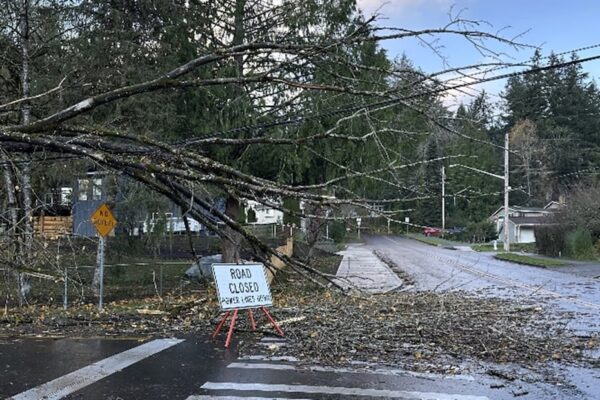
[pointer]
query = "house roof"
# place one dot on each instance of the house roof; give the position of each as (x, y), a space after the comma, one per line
(530, 220)
(547, 209)
(553, 205)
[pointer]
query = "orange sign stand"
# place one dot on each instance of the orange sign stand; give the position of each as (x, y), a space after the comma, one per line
(252, 323)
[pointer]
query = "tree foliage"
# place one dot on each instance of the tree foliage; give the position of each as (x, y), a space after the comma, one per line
(267, 101)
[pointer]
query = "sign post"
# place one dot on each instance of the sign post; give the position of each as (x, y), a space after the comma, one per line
(101, 269)
(104, 221)
(242, 287)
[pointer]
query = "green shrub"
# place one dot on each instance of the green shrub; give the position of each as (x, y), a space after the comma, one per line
(480, 232)
(337, 231)
(241, 219)
(292, 205)
(251, 215)
(550, 240)
(580, 245)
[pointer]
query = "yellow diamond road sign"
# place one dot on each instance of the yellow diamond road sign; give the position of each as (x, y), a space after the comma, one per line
(103, 220)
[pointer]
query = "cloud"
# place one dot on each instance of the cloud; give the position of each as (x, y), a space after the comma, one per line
(454, 97)
(389, 8)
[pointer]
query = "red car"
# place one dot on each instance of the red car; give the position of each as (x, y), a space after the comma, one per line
(432, 231)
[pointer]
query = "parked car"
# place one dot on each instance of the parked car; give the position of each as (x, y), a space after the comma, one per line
(455, 230)
(428, 231)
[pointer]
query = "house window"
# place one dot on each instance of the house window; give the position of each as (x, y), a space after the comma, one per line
(97, 189)
(66, 194)
(84, 185)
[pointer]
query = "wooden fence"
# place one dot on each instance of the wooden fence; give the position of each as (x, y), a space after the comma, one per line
(52, 227)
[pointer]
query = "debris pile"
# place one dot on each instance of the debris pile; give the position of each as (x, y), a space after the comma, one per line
(332, 328)
(391, 328)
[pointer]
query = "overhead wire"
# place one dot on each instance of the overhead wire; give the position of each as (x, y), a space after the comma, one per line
(299, 118)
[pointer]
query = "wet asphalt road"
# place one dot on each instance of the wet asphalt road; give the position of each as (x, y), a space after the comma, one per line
(437, 268)
(173, 373)
(196, 368)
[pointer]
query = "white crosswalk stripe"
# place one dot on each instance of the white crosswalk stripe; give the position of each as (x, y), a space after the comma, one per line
(278, 364)
(81, 378)
(337, 390)
(207, 397)
(375, 371)
(295, 385)
(260, 357)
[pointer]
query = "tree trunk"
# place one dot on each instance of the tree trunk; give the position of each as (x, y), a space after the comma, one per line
(10, 193)
(231, 248)
(314, 229)
(13, 219)
(25, 172)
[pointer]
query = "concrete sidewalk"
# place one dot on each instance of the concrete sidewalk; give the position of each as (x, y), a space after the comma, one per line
(364, 270)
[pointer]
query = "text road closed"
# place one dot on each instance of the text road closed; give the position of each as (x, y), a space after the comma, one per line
(241, 286)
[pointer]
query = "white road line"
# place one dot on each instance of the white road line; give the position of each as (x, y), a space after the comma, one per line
(373, 371)
(209, 397)
(259, 357)
(264, 340)
(76, 380)
(272, 344)
(395, 394)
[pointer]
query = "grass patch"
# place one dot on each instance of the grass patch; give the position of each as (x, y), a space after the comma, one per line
(432, 240)
(121, 281)
(529, 260)
(527, 247)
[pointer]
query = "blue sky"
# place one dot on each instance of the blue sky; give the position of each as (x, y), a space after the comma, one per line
(555, 25)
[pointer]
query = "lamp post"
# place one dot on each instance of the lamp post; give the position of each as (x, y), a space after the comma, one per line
(459, 192)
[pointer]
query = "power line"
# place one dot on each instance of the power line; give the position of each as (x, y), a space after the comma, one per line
(390, 102)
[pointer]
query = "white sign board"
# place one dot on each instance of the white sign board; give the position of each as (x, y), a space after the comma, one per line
(407, 220)
(241, 286)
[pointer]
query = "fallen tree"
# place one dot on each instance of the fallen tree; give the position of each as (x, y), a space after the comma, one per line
(281, 79)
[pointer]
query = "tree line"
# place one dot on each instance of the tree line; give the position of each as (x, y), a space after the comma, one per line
(270, 101)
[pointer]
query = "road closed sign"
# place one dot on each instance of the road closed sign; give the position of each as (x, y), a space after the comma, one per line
(241, 286)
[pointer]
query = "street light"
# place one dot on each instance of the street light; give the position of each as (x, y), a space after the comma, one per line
(459, 192)
(477, 170)
(506, 189)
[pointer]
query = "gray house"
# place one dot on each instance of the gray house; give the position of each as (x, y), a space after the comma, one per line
(89, 193)
(523, 220)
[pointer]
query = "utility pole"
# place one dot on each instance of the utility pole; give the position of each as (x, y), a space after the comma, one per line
(506, 191)
(443, 200)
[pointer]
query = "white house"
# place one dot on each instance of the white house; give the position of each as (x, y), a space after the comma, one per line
(172, 224)
(264, 214)
(523, 220)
